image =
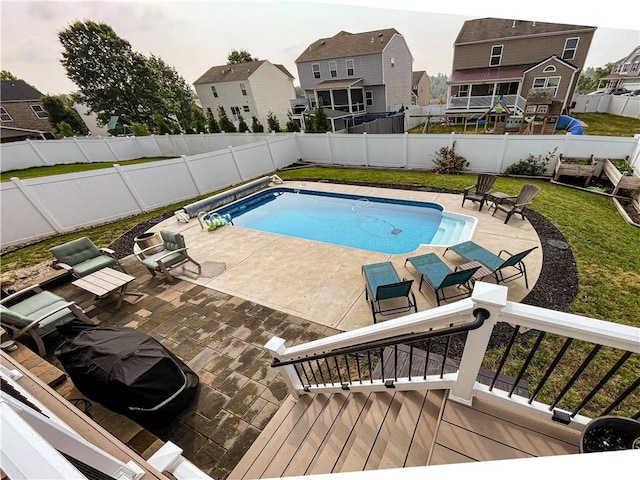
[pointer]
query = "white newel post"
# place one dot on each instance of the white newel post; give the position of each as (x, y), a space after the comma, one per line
(276, 347)
(492, 298)
(405, 149)
(329, 144)
(365, 149)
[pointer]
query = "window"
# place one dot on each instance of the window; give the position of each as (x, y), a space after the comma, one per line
(463, 91)
(39, 111)
(547, 82)
(312, 101)
(333, 69)
(549, 69)
(570, 47)
(539, 82)
(245, 108)
(634, 68)
(625, 68)
(243, 90)
(368, 95)
(235, 111)
(316, 70)
(213, 90)
(496, 55)
(4, 115)
(350, 68)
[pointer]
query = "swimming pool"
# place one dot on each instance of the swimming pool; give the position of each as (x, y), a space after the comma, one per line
(377, 224)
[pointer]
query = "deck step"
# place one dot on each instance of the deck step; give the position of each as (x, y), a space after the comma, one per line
(345, 432)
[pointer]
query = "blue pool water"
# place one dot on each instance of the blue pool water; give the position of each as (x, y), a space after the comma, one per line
(370, 223)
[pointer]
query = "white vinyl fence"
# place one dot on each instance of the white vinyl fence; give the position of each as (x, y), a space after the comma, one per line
(34, 209)
(624, 106)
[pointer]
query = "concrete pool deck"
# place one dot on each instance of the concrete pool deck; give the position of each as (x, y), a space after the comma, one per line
(323, 283)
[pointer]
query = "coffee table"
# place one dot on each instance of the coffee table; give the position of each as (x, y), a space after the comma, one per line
(106, 281)
(496, 198)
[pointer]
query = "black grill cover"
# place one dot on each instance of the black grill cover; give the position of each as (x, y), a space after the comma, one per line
(128, 371)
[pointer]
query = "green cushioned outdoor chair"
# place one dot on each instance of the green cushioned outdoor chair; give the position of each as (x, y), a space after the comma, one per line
(173, 253)
(384, 285)
(503, 269)
(81, 257)
(37, 314)
(435, 273)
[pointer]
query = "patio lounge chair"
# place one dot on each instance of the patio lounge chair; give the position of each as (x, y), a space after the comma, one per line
(36, 315)
(173, 254)
(479, 191)
(81, 257)
(435, 273)
(520, 204)
(495, 263)
(383, 283)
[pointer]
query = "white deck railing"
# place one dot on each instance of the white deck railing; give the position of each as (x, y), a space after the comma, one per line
(463, 384)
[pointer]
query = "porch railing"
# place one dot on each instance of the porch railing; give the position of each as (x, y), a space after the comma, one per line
(484, 102)
(570, 367)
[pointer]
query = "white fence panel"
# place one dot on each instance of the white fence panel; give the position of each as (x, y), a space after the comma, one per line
(160, 183)
(385, 150)
(125, 148)
(166, 146)
(97, 148)
(22, 221)
(314, 147)
(253, 160)
(349, 149)
(284, 150)
(61, 151)
(214, 171)
(19, 155)
(484, 153)
(84, 198)
(422, 149)
(148, 146)
(180, 145)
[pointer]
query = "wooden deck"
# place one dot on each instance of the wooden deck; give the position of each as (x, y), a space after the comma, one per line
(348, 432)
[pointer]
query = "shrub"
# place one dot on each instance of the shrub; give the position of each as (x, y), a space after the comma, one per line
(256, 126)
(533, 165)
(448, 161)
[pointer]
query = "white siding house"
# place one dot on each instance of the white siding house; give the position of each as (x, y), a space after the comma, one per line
(250, 89)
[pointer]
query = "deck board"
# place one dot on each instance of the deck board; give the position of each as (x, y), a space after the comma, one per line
(422, 442)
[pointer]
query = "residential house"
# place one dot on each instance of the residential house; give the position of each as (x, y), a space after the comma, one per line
(500, 59)
(352, 74)
(248, 89)
(420, 88)
(625, 73)
(21, 113)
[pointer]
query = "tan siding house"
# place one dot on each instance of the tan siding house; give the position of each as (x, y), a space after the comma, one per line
(501, 59)
(248, 89)
(420, 88)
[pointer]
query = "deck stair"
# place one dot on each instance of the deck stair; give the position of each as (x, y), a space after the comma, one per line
(345, 432)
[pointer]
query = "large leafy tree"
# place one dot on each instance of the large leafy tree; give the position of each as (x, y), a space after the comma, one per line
(241, 56)
(7, 75)
(113, 79)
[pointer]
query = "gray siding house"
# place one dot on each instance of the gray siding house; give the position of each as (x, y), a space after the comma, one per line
(352, 74)
(625, 73)
(499, 59)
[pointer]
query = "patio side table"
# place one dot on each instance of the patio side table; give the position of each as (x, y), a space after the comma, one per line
(106, 281)
(497, 198)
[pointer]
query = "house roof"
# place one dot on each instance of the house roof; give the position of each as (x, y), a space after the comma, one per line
(484, 29)
(492, 73)
(416, 76)
(235, 72)
(337, 84)
(18, 91)
(345, 44)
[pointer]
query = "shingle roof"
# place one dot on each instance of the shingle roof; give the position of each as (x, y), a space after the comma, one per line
(416, 76)
(492, 73)
(18, 90)
(484, 29)
(345, 44)
(235, 72)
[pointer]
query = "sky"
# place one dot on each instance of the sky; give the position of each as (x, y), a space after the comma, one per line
(193, 36)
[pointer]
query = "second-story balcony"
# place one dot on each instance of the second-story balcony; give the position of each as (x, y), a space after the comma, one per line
(482, 103)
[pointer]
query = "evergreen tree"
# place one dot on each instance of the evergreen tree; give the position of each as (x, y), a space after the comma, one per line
(292, 125)
(64, 129)
(272, 122)
(212, 123)
(198, 120)
(242, 125)
(60, 109)
(226, 125)
(321, 122)
(309, 124)
(256, 126)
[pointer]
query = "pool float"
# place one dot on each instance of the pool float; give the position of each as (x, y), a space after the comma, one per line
(213, 220)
